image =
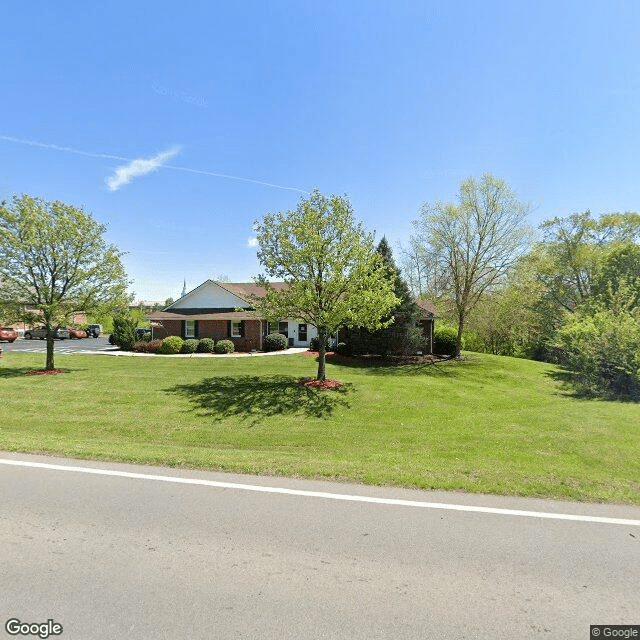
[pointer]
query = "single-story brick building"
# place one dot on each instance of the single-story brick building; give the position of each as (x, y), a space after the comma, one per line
(222, 310)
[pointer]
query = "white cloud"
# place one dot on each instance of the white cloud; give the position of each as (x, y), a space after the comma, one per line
(140, 167)
(252, 242)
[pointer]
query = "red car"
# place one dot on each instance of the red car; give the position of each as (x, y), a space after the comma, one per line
(8, 334)
(77, 333)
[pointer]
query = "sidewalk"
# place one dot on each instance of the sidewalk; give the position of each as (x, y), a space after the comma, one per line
(118, 352)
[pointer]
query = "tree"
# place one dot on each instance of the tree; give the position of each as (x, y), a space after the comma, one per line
(618, 268)
(54, 261)
(334, 276)
(507, 322)
(567, 259)
(474, 243)
(124, 329)
(403, 334)
(580, 264)
(602, 348)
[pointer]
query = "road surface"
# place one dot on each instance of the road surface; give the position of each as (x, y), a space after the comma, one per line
(128, 557)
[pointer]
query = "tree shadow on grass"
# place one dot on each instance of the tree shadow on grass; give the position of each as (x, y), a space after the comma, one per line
(255, 397)
(390, 367)
(13, 372)
(573, 386)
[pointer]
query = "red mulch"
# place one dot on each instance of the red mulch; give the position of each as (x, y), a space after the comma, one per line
(320, 384)
(42, 372)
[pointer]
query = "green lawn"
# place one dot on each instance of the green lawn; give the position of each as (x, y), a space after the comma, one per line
(486, 424)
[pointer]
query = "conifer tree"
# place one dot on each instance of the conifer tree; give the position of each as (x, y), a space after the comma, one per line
(403, 334)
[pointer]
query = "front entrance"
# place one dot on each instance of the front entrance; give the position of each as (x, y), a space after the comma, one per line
(298, 334)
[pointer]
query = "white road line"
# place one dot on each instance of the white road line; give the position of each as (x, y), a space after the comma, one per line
(329, 496)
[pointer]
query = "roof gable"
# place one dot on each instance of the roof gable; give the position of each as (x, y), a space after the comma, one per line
(426, 308)
(210, 295)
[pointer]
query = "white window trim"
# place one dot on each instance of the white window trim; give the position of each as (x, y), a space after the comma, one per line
(189, 328)
(236, 328)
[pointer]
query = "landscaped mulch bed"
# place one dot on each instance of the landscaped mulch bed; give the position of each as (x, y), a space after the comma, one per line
(42, 372)
(312, 383)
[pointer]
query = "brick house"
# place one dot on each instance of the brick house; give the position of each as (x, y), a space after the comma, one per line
(222, 310)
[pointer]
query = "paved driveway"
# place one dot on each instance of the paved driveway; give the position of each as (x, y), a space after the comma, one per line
(101, 345)
(84, 345)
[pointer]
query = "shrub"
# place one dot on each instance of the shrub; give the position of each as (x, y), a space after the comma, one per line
(171, 345)
(124, 331)
(603, 350)
(274, 342)
(344, 349)
(224, 346)
(189, 346)
(473, 342)
(314, 344)
(206, 345)
(147, 346)
(444, 341)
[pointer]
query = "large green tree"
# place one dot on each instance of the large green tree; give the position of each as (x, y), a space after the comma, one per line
(580, 263)
(473, 243)
(335, 277)
(568, 257)
(54, 261)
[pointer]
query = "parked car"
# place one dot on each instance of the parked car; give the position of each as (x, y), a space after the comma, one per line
(60, 333)
(143, 333)
(94, 330)
(77, 333)
(8, 334)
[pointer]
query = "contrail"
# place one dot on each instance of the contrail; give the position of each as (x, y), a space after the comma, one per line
(224, 175)
(80, 152)
(55, 147)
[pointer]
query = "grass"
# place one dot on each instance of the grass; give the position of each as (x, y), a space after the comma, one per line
(486, 424)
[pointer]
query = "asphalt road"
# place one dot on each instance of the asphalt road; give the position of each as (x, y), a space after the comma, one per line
(128, 558)
(84, 345)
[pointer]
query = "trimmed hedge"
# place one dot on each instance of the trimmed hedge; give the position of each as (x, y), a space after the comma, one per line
(206, 345)
(444, 341)
(344, 349)
(147, 346)
(171, 345)
(274, 342)
(190, 346)
(224, 346)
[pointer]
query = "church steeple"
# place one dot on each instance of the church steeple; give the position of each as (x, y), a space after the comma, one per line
(184, 289)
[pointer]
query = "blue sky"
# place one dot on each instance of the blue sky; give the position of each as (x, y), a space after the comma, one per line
(179, 124)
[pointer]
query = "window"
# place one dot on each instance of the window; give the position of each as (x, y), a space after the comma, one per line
(278, 327)
(236, 329)
(189, 328)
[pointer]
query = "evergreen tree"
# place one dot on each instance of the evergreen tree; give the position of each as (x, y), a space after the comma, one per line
(403, 335)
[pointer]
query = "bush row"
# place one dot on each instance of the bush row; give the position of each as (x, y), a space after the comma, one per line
(175, 344)
(444, 343)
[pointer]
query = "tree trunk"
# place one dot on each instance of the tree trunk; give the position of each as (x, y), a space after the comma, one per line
(322, 353)
(459, 338)
(50, 365)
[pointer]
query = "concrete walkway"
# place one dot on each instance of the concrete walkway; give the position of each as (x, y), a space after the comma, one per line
(253, 354)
